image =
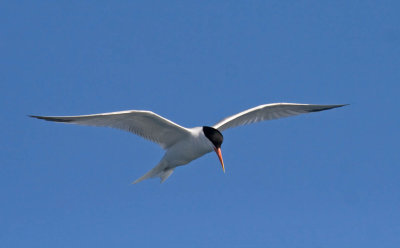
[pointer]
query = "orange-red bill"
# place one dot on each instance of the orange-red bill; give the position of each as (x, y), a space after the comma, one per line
(218, 151)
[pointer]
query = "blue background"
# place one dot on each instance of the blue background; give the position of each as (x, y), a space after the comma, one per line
(327, 179)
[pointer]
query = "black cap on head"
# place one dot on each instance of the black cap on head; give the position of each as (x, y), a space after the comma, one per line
(214, 136)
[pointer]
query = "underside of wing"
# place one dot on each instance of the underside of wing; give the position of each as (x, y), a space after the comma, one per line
(269, 112)
(144, 123)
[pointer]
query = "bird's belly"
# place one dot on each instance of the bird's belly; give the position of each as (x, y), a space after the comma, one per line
(183, 153)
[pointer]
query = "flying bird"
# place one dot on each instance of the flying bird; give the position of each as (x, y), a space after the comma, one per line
(183, 144)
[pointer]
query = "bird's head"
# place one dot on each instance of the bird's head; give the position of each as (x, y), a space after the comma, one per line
(216, 139)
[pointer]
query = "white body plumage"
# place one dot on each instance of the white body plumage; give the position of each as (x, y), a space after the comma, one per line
(182, 144)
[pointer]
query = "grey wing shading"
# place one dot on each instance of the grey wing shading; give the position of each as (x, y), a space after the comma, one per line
(270, 112)
(141, 122)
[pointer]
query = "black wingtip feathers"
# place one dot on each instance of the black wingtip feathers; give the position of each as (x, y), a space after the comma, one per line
(328, 107)
(49, 118)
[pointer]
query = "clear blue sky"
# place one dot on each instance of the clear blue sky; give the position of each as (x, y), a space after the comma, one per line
(327, 179)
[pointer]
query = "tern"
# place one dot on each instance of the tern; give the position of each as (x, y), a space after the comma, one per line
(184, 145)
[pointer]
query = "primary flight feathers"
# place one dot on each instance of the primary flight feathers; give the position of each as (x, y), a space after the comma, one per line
(141, 122)
(184, 144)
(268, 112)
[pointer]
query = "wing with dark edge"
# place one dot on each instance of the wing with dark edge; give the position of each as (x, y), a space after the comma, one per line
(270, 112)
(143, 123)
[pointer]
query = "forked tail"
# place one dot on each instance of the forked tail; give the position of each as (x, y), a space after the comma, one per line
(161, 170)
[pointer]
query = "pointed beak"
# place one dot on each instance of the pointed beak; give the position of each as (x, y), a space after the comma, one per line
(218, 151)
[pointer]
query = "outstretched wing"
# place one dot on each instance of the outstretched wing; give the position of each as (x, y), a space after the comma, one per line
(144, 123)
(269, 112)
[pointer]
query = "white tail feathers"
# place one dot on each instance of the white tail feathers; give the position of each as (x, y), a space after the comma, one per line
(160, 170)
(165, 174)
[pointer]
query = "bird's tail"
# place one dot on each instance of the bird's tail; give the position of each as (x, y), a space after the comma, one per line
(161, 170)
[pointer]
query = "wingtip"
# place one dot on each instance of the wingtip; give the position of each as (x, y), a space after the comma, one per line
(340, 105)
(37, 117)
(56, 119)
(327, 107)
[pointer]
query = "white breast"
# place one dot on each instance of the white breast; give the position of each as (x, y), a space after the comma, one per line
(195, 146)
